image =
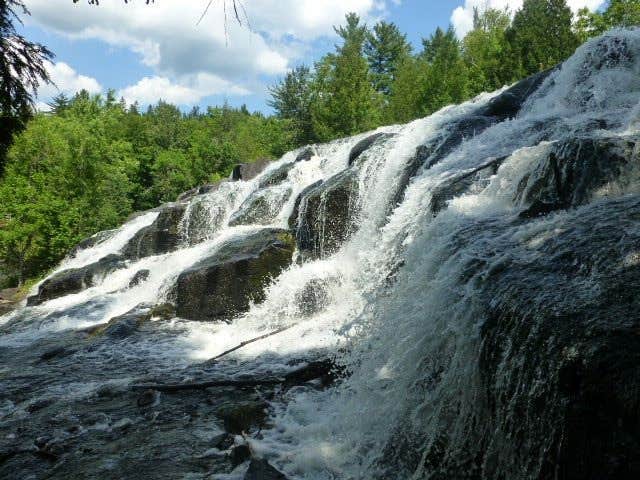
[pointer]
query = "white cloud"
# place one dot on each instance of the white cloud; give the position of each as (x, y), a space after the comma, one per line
(169, 40)
(189, 92)
(462, 17)
(65, 80)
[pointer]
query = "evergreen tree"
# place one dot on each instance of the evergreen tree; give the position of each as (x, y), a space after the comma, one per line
(291, 99)
(344, 101)
(59, 104)
(446, 76)
(408, 91)
(385, 48)
(541, 35)
(22, 70)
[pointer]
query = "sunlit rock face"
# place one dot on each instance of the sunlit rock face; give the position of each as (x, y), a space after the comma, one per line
(453, 298)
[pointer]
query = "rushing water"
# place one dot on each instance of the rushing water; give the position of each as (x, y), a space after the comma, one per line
(394, 311)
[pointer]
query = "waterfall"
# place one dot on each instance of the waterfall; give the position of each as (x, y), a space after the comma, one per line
(407, 255)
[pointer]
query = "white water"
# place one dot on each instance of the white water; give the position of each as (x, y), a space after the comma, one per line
(393, 336)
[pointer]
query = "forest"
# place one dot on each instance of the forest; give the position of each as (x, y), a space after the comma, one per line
(92, 160)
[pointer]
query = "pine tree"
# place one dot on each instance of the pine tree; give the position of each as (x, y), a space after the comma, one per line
(446, 76)
(408, 91)
(344, 100)
(22, 70)
(385, 48)
(541, 35)
(59, 103)
(291, 99)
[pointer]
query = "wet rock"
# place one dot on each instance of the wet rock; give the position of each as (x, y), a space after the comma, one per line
(201, 190)
(313, 297)
(306, 154)
(165, 311)
(148, 398)
(431, 153)
(472, 181)
(262, 470)
(327, 215)
(509, 103)
(538, 209)
(224, 441)
(293, 219)
(92, 241)
(557, 380)
(162, 236)
(249, 171)
(124, 326)
(324, 370)
(40, 405)
(223, 285)
(262, 207)
(75, 280)
(242, 417)
(9, 299)
(365, 144)
(577, 171)
(56, 352)
(276, 176)
(140, 277)
(239, 454)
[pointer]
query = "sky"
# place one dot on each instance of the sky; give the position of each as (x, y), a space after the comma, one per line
(162, 51)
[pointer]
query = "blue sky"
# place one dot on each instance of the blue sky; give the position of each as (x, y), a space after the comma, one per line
(150, 52)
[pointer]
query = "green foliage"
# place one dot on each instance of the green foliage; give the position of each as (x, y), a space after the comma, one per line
(344, 100)
(541, 35)
(291, 100)
(385, 49)
(619, 13)
(446, 75)
(485, 51)
(92, 161)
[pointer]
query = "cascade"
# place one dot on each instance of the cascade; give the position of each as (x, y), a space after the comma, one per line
(469, 277)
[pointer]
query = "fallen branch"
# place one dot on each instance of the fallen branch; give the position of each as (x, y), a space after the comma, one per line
(323, 369)
(178, 387)
(247, 342)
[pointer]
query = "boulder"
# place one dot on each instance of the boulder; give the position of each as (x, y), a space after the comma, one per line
(262, 207)
(75, 280)
(565, 314)
(472, 181)
(249, 171)
(201, 190)
(162, 236)
(225, 284)
(307, 154)
(276, 176)
(327, 215)
(262, 470)
(576, 171)
(554, 369)
(242, 417)
(92, 241)
(367, 143)
(141, 276)
(125, 325)
(509, 103)
(293, 218)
